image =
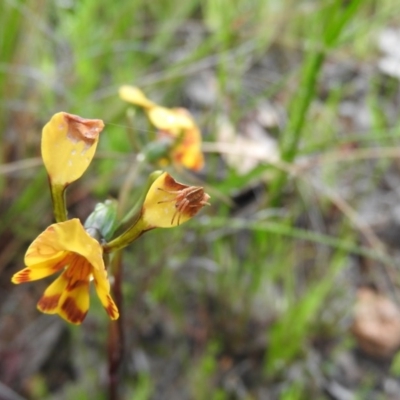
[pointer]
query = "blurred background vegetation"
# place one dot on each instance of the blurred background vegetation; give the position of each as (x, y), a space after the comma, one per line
(257, 297)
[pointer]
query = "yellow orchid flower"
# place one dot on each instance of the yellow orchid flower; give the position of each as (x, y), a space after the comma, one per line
(166, 204)
(67, 246)
(172, 123)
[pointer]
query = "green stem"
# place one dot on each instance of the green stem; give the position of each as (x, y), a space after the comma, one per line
(126, 238)
(58, 199)
(133, 214)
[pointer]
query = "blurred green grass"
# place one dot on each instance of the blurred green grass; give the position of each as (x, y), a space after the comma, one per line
(257, 275)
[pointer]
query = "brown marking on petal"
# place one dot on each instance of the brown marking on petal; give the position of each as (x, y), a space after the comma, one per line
(22, 276)
(82, 129)
(72, 284)
(111, 308)
(188, 201)
(59, 265)
(48, 303)
(79, 268)
(73, 313)
(171, 185)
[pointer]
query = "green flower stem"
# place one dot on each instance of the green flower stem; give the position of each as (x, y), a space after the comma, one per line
(127, 237)
(132, 226)
(132, 216)
(58, 199)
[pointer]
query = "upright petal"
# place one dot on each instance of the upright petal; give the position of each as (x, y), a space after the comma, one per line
(68, 146)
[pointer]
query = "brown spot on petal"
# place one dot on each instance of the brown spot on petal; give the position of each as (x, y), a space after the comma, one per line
(73, 313)
(48, 303)
(59, 265)
(21, 277)
(111, 308)
(76, 284)
(171, 185)
(82, 129)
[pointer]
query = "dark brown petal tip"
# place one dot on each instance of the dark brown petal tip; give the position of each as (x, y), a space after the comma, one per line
(48, 303)
(82, 129)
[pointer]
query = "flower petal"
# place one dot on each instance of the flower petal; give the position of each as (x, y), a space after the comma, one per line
(68, 146)
(188, 153)
(134, 95)
(37, 271)
(172, 120)
(74, 302)
(72, 237)
(44, 249)
(102, 286)
(169, 203)
(51, 297)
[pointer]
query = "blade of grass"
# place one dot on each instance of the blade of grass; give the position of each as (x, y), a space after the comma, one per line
(286, 229)
(334, 18)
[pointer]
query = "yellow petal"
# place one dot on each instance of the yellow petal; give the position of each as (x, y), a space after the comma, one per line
(102, 286)
(169, 203)
(171, 120)
(44, 249)
(188, 153)
(39, 271)
(74, 302)
(68, 146)
(52, 250)
(51, 297)
(70, 236)
(134, 95)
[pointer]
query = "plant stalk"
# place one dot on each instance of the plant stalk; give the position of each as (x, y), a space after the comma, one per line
(116, 333)
(58, 199)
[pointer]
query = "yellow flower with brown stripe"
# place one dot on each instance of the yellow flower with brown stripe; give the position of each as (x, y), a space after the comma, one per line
(68, 247)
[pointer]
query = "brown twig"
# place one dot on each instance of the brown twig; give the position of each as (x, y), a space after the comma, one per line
(116, 333)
